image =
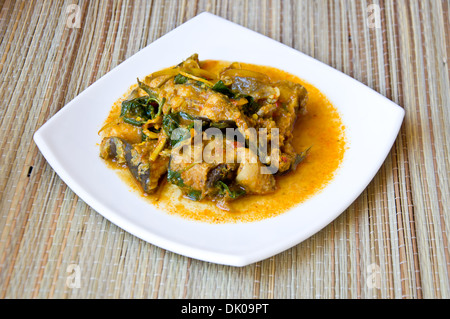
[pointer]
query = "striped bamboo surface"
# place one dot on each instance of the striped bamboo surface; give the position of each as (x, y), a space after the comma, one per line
(392, 242)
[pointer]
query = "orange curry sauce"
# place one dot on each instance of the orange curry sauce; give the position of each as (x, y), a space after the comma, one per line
(319, 126)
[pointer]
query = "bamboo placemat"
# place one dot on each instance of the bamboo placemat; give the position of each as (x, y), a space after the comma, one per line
(392, 242)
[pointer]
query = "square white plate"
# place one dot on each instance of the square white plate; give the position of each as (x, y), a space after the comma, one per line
(69, 142)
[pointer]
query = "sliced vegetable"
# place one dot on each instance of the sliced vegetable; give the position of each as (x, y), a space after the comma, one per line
(251, 107)
(159, 147)
(174, 177)
(170, 122)
(196, 78)
(202, 73)
(166, 72)
(180, 79)
(220, 87)
(224, 190)
(194, 194)
(152, 93)
(137, 111)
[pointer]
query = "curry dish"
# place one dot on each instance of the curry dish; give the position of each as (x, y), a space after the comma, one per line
(169, 137)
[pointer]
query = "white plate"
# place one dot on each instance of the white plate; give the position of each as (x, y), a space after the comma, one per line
(69, 142)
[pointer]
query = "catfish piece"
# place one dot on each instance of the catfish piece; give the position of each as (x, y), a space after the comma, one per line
(198, 180)
(189, 176)
(147, 173)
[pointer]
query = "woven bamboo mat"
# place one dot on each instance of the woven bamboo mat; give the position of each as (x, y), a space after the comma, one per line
(393, 242)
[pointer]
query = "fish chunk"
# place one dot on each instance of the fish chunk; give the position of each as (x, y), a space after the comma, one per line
(146, 172)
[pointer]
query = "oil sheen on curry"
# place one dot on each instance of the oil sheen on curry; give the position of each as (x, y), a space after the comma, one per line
(222, 142)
